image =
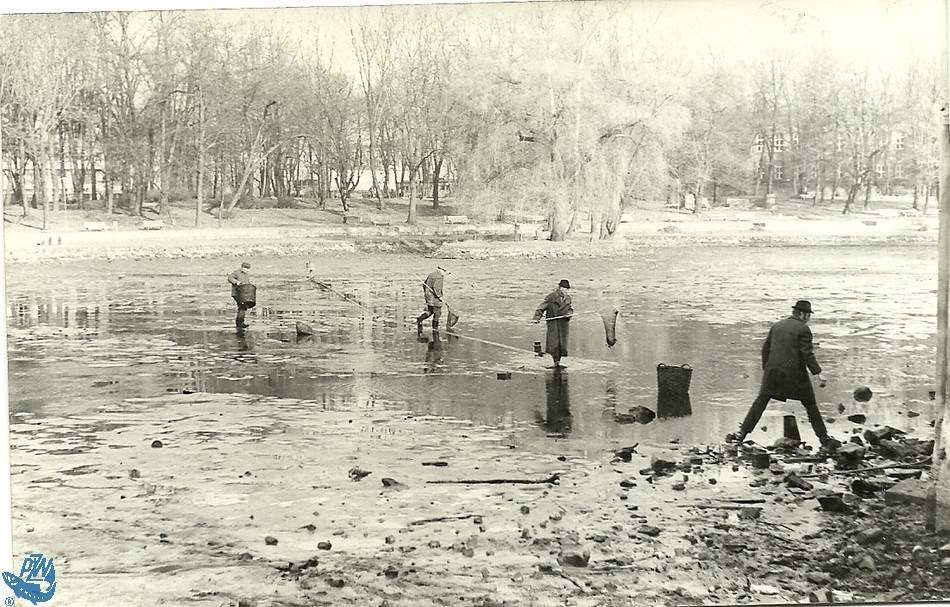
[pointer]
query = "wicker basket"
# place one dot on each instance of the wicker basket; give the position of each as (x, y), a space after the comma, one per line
(673, 381)
(672, 399)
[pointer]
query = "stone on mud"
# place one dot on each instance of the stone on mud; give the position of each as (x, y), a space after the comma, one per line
(818, 577)
(324, 545)
(650, 530)
(663, 462)
(862, 394)
(575, 556)
(908, 491)
(892, 448)
(785, 444)
(868, 486)
(642, 414)
(270, 540)
(858, 418)
(749, 513)
(157, 444)
(833, 503)
(849, 456)
(866, 537)
(875, 435)
(793, 480)
(357, 474)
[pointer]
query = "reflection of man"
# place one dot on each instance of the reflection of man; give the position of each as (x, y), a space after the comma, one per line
(435, 353)
(557, 308)
(432, 290)
(559, 403)
(238, 278)
(787, 357)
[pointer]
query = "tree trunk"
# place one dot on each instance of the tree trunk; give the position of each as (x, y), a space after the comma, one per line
(939, 514)
(867, 194)
(39, 192)
(199, 202)
(852, 195)
(436, 172)
(411, 220)
(916, 195)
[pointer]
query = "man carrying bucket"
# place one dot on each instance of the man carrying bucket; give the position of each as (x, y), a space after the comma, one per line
(557, 308)
(237, 278)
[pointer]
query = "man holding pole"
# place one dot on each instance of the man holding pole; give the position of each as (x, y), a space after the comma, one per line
(557, 309)
(432, 290)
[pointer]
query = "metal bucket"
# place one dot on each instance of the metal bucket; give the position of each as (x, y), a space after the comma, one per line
(247, 295)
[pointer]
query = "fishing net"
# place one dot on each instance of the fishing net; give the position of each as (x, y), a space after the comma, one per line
(610, 325)
(451, 317)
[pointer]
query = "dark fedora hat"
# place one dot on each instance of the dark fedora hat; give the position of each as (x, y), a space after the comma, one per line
(564, 283)
(802, 305)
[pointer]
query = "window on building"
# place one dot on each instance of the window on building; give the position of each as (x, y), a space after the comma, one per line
(899, 171)
(900, 142)
(779, 142)
(839, 143)
(794, 138)
(814, 172)
(840, 173)
(759, 144)
(879, 169)
(779, 174)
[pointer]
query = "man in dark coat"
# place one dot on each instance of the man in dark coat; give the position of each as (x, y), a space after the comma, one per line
(238, 278)
(432, 289)
(557, 308)
(787, 357)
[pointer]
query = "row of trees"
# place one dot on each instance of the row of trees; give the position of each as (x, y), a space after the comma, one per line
(572, 111)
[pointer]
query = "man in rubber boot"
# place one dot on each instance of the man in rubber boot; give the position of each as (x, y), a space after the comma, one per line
(238, 278)
(557, 308)
(787, 357)
(432, 290)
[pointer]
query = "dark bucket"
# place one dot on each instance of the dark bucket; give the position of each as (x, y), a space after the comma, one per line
(247, 295)
(672, 399)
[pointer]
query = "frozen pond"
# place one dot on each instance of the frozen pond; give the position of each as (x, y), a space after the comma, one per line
(87, 334)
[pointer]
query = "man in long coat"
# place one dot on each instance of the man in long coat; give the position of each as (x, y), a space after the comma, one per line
(557, 308)
(787, 357)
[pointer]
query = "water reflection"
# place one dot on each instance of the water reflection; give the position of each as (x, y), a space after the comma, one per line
(435, 354)
(558, 418)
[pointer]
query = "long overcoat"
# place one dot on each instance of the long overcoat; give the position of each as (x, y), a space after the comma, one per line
(557, 303)
(787, 356)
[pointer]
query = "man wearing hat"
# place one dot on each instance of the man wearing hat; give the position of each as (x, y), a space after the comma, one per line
(432, 290)
(787, 357)
(557, 308)
(237, 278)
